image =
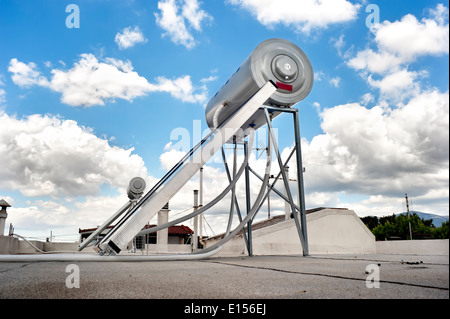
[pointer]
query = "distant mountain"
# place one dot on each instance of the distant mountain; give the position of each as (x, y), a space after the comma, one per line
(437, 219)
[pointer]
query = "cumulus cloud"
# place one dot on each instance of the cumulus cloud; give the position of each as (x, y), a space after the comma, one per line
(403, 41)
(381, 152)
(26, 74)
(48, 156)
(63, 218)
(92, 82)
(410, 38)
(400, 84)
(177, 18)
(398, 45)
(129, 37)
(303, 16)
(375, 62)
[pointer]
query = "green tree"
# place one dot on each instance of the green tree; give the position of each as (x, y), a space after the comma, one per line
(398, 227)
(370, 221)
(442, 231)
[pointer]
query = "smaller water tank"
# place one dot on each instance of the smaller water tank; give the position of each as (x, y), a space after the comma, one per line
(136, 188)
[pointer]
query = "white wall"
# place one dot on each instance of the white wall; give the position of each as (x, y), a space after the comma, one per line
(8, 245)
(336, 231)
(330, 231)
(423, 247)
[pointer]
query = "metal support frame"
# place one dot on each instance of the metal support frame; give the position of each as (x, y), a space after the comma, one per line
(299, 222)
(296, 209)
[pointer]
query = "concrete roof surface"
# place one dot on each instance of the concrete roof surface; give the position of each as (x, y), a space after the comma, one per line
(260, 277)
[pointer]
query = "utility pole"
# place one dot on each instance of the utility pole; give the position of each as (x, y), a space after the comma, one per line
(409, 221)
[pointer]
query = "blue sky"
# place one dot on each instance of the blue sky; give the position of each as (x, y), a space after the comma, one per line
(85, 109)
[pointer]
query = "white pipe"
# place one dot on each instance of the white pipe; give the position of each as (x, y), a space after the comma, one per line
(76, 256)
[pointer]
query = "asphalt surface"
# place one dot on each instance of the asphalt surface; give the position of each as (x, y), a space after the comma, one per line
(246, 278)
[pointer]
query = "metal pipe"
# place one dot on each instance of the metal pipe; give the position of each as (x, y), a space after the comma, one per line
(77, 256)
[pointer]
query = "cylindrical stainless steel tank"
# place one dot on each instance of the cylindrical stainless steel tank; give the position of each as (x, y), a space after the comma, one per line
(277, 60)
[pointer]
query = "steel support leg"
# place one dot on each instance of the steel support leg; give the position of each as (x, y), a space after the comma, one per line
(301, 189)
(248, 203)
(286, 184)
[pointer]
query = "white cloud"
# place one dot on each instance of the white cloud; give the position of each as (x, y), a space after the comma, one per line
(130, 37)
(318, 76)
(398, 85)
(398, 45)
(176, 25)
(48, 156)
(340, 44)
(374, 152)
(375, 62)
(367, 98)
(92, 82)
(410, 38)
(335, 81)
(171, 157)
(211, 78)
(26, 75)
(303, 16)
(194, 15)
(63, 218)
(180, 88)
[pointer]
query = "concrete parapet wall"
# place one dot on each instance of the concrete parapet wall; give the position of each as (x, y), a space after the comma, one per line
(423, 247)
(25, 248)
(330, 231)
(8, 245)
(52, 246)
(11, 245)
